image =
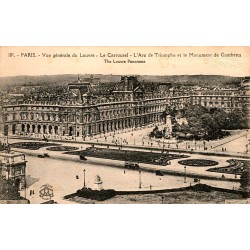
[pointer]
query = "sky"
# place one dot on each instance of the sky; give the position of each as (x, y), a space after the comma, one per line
(177, 61)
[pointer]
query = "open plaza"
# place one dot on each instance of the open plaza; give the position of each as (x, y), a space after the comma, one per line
(61, 167)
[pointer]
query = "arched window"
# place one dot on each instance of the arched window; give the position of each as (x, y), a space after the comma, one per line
(50, 129)
(33, 128)
(28, 128)
(44, 128)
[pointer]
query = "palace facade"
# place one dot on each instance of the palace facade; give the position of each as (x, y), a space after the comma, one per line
(86, 110)
(85, 114)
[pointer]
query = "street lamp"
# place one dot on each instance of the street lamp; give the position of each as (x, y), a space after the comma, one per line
(185, 174)
(162, 199)
(139, 178)
(25, 181)
(84, 185)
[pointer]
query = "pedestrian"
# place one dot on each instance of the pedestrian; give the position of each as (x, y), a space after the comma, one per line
(124, 172)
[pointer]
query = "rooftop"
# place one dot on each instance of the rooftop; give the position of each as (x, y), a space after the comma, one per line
(11, 157)
(11, 153)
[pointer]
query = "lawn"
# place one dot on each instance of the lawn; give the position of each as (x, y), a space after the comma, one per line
(198, 162)
(127, 155)
(32, 145)
(183, 197)
(62, 148)
(235, 167)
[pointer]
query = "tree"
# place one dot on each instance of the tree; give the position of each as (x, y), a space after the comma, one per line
(185, 128)
(204, 123)
(245, 180)
(8, 191)
(211, 126)
(220, 116)
(195, 111)
(237, 120)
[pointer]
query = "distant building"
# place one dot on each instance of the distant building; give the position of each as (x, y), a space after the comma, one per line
(88, 108)
(227, 99)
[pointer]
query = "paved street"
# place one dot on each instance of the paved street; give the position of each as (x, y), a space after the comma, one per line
(61, 175)
(61, 169)
(236, 143)
(175, 167)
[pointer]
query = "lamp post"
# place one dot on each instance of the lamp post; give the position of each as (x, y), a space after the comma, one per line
(84, 184)
(25, 181)
(185, 174)
(139, 178)
(75, 125)
(162, 199)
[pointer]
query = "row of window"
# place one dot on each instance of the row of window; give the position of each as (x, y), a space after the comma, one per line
(219, 104)
(219, 98)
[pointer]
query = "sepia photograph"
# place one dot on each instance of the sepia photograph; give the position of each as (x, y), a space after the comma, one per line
(124, 125)
(129, 120)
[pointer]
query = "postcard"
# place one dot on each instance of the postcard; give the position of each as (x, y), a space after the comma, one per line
(124, 125)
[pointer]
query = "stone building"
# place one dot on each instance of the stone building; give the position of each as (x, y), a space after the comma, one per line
(85, 114)
(13, 167)
(227, 99)
(88, 108)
